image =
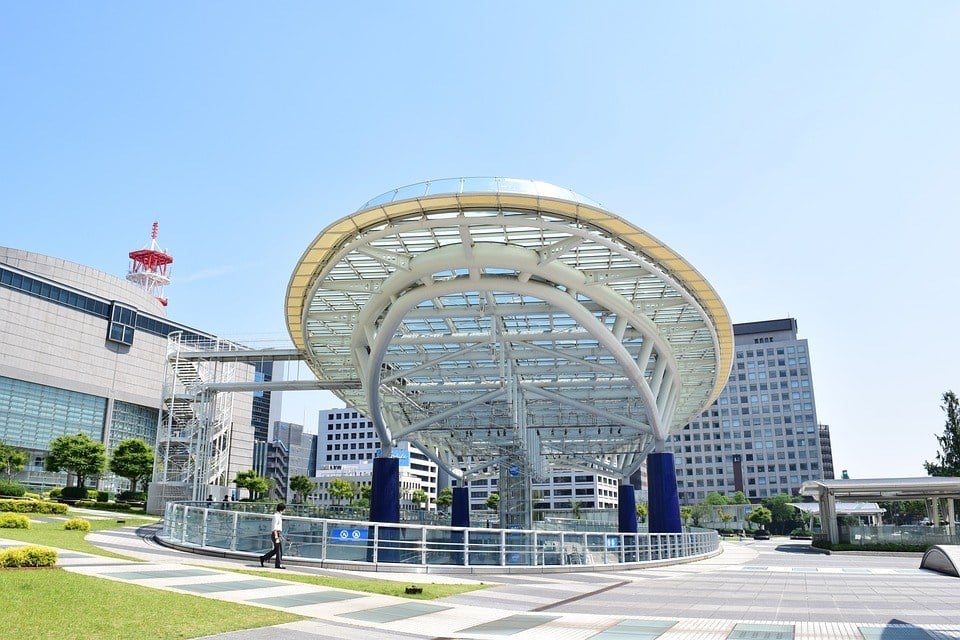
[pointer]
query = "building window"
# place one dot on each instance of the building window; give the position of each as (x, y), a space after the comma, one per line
(123, 320)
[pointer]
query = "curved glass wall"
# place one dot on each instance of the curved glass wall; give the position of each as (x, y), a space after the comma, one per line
(217, 528)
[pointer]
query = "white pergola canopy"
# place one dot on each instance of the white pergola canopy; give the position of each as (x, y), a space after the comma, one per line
(489, 315)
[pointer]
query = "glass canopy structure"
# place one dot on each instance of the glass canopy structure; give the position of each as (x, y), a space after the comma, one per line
(511, 324)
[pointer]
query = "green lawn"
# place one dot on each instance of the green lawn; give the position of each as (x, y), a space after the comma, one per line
(371, 585)
(59, 604)
(52, 534)
(53, 604)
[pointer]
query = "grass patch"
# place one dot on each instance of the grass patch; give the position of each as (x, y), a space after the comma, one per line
(52, 534)
(431, 591)
(55, 604)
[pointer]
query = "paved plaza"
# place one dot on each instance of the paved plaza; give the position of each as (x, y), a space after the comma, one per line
(774, 590)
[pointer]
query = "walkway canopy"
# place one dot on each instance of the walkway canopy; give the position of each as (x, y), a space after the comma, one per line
(828, 492)
(494, 317)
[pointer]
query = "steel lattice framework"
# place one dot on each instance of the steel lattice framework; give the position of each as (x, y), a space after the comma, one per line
(491, 317)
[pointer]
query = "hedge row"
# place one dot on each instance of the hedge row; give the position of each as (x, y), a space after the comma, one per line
(104, 506)
(33, 506)
(31, 556)
(884, 546)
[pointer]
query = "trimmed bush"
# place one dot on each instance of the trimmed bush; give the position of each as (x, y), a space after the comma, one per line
(32, 506)
(132, 496)
(74, 493)
(54, 493)
(77, 524)
(33, 496)
(31, 556)
(14, 521)
(107, 506)
(11, 488)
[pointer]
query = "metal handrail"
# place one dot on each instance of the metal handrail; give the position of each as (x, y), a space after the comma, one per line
(211, 528)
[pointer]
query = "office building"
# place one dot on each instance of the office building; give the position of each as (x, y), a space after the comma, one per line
(761, 436)
(347, 443)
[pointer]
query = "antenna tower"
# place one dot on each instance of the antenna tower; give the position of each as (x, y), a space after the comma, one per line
(149, 267)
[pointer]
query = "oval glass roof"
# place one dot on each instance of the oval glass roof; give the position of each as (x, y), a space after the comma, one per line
(479, 185)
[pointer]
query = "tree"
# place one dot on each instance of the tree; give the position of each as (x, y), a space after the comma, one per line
(760, 515)
(575, 506)
(302, 486)
(341, 490)
(445, 498)
(715, 499)
(132, 459)
(784, 517)
(78, 454)
(685, 514)
(724, 516)
(948, 458)
(739, 497)
(642, 511)
(252, 482)
(699, 512)
(493, 501)
(419, 497)
(12, 460)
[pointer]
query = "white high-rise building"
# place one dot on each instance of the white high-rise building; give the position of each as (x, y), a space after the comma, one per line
(347, 443)
(761, 436)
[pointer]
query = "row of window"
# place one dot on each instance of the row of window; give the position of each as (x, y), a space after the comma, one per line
(769, 352)
(123, 319)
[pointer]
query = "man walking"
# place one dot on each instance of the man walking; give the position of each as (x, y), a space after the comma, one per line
(276, 534)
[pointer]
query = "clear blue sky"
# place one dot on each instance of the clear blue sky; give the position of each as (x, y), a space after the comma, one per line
(803, 156)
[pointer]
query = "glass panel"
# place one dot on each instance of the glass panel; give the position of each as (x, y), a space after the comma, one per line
(447, 185)
(479, 185)
(411, 191)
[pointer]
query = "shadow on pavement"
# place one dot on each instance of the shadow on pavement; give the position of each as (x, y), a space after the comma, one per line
(799, 547)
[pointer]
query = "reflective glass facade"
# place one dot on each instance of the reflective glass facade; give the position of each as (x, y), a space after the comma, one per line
(132, 421)
(31, 414)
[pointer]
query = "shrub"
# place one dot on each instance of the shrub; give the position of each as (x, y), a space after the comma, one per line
(132, 496)
(14, 521)
(54, 493)
(104, 496)
(74, 493)
(77, 524)
(11, 488)
(31, 556)
(33, 496)
(32, 506)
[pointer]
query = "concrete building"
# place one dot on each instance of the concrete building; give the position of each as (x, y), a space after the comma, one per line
(289, 452)
(347, 444)
(761, 436)
(82, 351)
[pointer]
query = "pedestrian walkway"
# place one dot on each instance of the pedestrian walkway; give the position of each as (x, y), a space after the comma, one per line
(771, 590)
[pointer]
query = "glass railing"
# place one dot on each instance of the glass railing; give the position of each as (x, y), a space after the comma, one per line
(208, 527)
(894, 534)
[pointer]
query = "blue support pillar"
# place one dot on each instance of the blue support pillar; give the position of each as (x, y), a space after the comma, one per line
(627, 500)
(385, 490)
(662, 494)
(385, 507)
(460, 516)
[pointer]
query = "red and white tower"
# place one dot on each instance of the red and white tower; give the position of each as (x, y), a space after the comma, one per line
(149, 267)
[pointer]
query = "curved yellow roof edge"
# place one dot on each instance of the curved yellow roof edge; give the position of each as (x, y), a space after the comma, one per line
(335, 235)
